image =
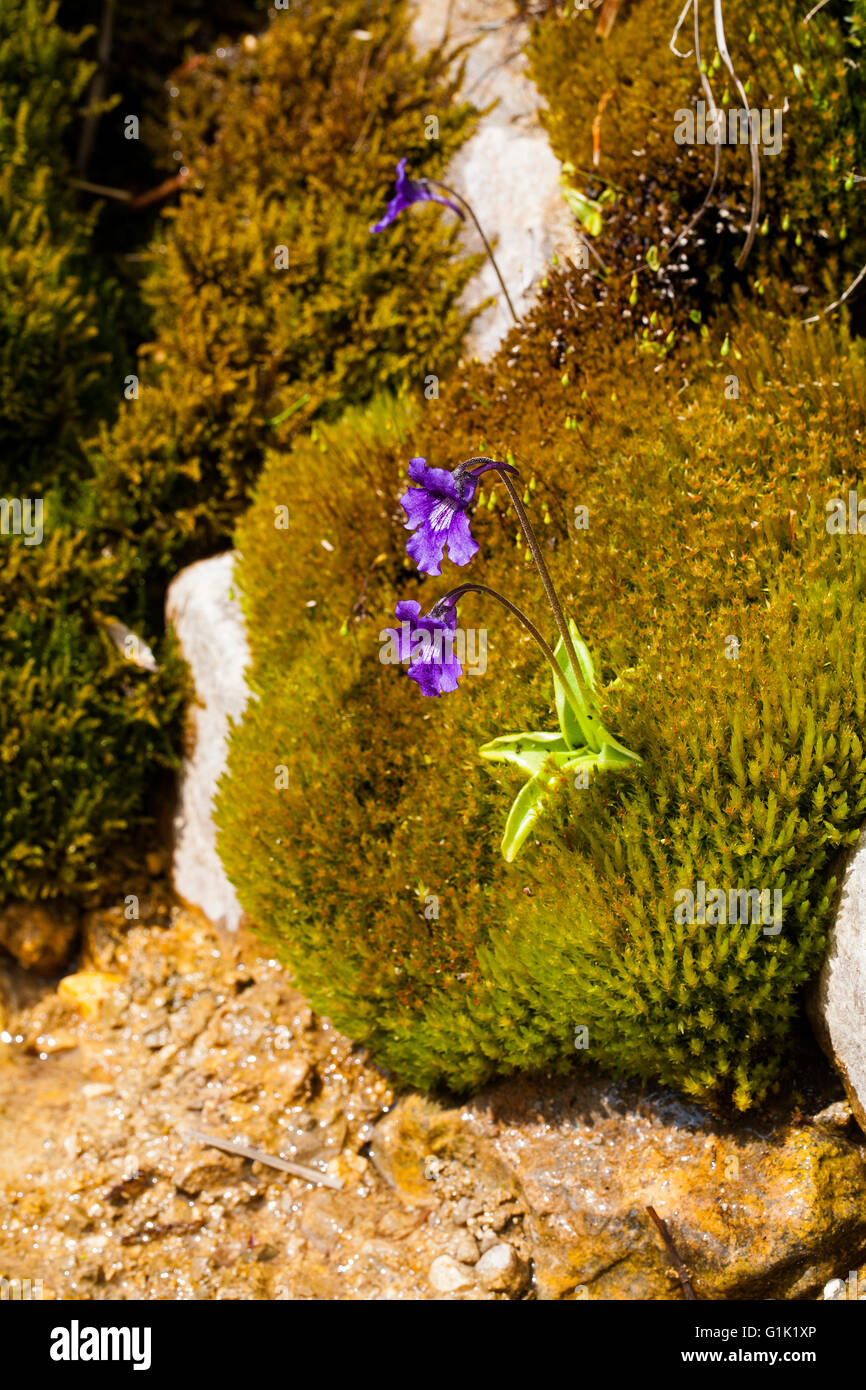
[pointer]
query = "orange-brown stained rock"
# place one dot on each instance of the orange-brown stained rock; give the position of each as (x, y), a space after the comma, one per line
(757, 1208)
(40, 936)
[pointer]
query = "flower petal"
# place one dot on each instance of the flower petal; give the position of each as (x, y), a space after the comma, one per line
(439, 480)
(406, 193)
(461, 546)
(437, 670)
(428, 644)
(417, 504)
(385, 221)
(427, 548)
(407, 610)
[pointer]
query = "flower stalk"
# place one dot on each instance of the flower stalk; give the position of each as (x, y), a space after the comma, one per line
(488, 464)
(452, 192)
(545, 648)
(437, 514)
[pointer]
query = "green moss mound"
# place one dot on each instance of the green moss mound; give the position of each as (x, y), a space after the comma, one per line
(83, 731)
(724, 617)
(292, 140)
(707, 522)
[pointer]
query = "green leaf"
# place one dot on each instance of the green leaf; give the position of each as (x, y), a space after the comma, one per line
(583, 729)
(614, 757)
(578, 725)
(587, 211)
(526, 751)
(582, 743)
(528, 805)
(581, 760)
(290, 410)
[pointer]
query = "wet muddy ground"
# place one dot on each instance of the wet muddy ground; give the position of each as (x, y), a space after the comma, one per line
(163, 1026)
(163, 1034)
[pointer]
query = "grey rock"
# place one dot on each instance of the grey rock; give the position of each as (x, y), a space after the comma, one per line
(507, 170)
(837, 1006)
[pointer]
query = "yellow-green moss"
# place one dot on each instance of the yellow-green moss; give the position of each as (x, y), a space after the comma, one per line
(293, 141)
(706, 521)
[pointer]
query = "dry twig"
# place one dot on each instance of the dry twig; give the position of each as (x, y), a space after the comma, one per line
(298, 1170)
(672, 1251)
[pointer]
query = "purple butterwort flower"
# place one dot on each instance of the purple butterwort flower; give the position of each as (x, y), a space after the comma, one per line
(410, 191)
(436, 511)
(427, 643)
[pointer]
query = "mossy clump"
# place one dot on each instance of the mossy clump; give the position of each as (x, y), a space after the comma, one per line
(82, 730)
(292, 138)
(615, 107)
(726, 620)
(272, 303)
(55, 335)
(731, 620)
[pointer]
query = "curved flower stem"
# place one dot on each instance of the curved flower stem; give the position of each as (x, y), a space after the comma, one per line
(487, 247)
(571, 694)
(541, 565)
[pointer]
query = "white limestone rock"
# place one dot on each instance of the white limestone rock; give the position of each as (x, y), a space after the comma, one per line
(204, 610)
(507, 170)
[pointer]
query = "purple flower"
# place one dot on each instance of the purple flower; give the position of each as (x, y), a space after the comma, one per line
(436, 509)
(410, 191)
(427, 643)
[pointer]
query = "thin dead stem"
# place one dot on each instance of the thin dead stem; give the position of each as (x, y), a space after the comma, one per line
(713, 109)
(297, 1170)
(722, 45)
(678, 1265)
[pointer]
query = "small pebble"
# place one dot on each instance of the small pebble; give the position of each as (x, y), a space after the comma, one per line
(466, 1249)
(447, 1276)
(86, 989)
(501, 1270)
(462, 1211)
(836, 1115)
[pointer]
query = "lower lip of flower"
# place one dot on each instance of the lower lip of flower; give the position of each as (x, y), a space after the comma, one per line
(441, 515)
